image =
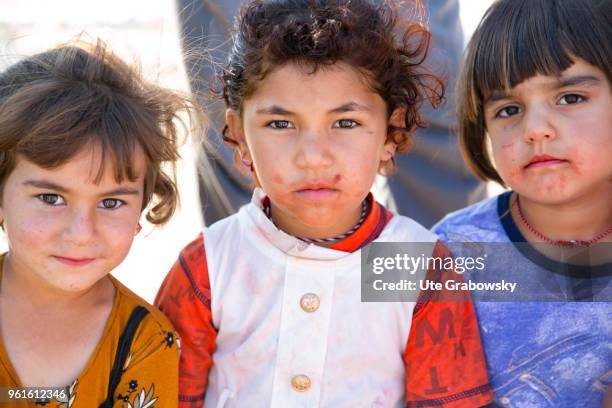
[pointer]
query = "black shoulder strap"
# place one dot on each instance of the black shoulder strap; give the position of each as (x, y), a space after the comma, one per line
(123, 349)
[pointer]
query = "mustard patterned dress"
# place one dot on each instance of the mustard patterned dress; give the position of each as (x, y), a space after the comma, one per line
(148, 376)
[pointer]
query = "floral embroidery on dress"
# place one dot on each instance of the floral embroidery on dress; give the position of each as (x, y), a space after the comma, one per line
(171, 338)
(143, 399)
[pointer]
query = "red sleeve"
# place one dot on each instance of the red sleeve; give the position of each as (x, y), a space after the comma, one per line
(445, 365)
(184, 297)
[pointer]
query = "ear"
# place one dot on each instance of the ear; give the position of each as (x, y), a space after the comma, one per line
(397, 120)
(234, 124)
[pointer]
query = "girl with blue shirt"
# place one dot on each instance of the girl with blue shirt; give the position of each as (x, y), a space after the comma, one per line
(535, 99)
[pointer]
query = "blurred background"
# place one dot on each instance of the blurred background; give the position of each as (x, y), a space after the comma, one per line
(144, 32)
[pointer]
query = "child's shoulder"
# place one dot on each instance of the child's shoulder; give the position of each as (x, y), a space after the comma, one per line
(478, 222)
(127, 301)
(249, 222)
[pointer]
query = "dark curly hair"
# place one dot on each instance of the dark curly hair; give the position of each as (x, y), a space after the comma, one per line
(365, 34)
(55, 103)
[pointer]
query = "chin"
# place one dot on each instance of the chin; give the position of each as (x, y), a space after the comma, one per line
(76, 287)
(77, 282)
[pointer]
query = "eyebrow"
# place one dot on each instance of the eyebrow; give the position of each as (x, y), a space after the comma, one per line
(279, 110)
(588, 80)
(122, 191)
(44, 184)
(273, 110)
(585, 80)
(350, 107)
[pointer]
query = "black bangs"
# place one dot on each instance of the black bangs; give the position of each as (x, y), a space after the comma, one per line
(516, 40)
(519, 39)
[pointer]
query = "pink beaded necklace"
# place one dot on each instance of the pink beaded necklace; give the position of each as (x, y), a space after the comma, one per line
(570, 243)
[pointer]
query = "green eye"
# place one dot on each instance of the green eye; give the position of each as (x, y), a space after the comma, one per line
(111, 203)
(280, 124)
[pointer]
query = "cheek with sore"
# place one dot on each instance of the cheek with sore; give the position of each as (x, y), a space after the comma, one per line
(511, 171)
(577, 160)
(507, 162)
(278, 179)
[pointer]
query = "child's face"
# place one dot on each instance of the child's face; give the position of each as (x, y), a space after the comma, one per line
(316, 141)
(65, 232)
(552, 136)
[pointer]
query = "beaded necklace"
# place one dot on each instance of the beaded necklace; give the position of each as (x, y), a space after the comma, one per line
(570, 243)
(267, 209)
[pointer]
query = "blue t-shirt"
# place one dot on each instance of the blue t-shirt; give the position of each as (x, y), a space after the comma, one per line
(539, 354)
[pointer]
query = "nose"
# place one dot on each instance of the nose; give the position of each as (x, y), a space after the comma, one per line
(314, 150)
(538, 125)
(80, 227)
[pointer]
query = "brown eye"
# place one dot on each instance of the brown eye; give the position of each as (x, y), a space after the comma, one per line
(508, 111)
(570, 99)
(51, 199)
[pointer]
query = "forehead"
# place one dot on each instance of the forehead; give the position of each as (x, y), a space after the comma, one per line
(580, 73)
(326, 87)
(89, 166)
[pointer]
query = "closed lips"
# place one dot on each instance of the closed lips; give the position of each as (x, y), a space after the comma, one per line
(544, 160)
(316, 192)
(73, 261)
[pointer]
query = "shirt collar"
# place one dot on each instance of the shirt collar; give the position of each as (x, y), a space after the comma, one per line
(376, 220)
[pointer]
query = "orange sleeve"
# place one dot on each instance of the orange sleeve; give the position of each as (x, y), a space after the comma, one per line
(444, 359)
(185, 297)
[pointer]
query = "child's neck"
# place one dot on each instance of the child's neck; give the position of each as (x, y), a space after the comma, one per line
(578, 220)
(329, 235)
(48, 336)
(36, 294)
